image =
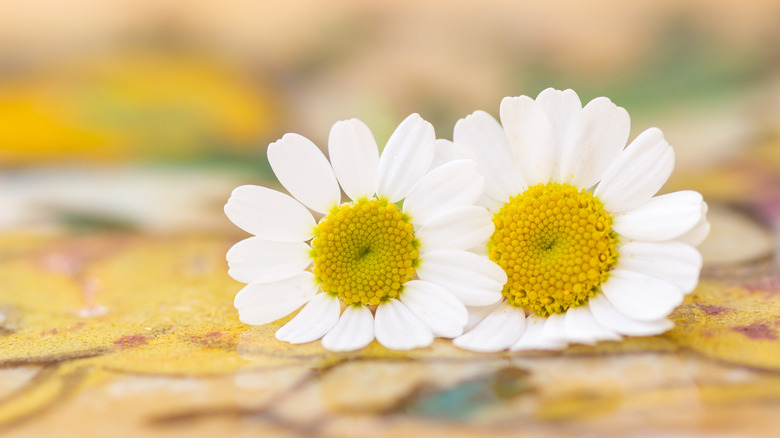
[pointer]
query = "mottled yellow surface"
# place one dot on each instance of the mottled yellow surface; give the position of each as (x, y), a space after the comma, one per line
(129, 334)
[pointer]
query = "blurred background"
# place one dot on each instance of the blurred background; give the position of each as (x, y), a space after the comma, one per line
(144, 114)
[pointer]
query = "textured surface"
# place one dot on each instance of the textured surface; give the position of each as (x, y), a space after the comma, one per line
(125, 334)
(124, 128)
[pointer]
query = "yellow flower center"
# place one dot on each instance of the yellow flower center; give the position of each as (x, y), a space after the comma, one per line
(364, 252)
(555, 244)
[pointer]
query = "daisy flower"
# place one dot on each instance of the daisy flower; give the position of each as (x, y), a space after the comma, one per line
(369, 268)
(590, 252)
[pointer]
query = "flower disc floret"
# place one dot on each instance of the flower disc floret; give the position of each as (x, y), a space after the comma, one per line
(364, 252)
(556, 245)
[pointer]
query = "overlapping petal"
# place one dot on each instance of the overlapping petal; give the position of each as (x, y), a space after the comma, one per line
(269, 214)
(474, 279)
(316, 319)
(259, 260)
(554, 330)
(398, 328)
(491, 150)
(661, 218)
(353, 331)
(672, 261)
(532, 338)
(355, 158)
(261, 303)
(305, 172)
(582, 327)
(696, 235)
(641, 296)
(608, 316)
(499, 330)
(638, 173)
(455, 184)
(459, 228)
(563, 110)
(530, 137)
(593, 143)
(406, 158)
(444, 314)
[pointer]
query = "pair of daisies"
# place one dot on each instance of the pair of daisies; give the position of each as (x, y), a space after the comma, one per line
(538, 232)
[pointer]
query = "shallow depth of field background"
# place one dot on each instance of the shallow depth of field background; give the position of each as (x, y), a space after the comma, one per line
(125, 125)
(145, 114)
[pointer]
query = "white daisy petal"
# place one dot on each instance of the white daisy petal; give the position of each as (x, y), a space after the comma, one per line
(563, 109)
(460, 228)
(485, 137)
(532, 337)
(478, 313)
(259, 260)
(606, 314)
(451, 185)
(696, 235)
(674, 262)
(354, 330)
(530, 137)
(398, 328)
(316, 319)
(446, 151)
(441, 311)
(496, 332)
(269, 214)
(594, 142)
(355, 158)
(474, 279)
(451, 191)
(490, 203)
(582, 327)
(261, 303)
(641, 296)
(406, 157)
(661, 218)
(554, 330)
(638, 173)
(305, 172)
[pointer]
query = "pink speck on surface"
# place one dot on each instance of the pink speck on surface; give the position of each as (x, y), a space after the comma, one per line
(756, 331)
(712, 310)
(131, 341)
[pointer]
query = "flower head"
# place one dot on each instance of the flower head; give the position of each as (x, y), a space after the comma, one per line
(589, 251)
(369, 268)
